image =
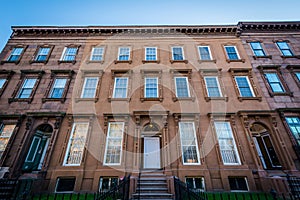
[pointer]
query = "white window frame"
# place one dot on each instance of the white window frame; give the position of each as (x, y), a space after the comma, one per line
(63, 55)
(14, 54)
(2, 82)
(23, 85)
(121, 146)
(84, 87)
(182, 50)
(194, 182)
(236, 51)
(36, 149)
(39, 53)
(293, 126)
(115, 84)
(261, 48)
(119, 53)
(70, 142)
(157, 88)
(53, 87)
(151, 54)
(233, 143)
(196, 143)
(270, 83)
(210, 56)
(188, 88)
(218, 84)
(93, 53)
(249, 84)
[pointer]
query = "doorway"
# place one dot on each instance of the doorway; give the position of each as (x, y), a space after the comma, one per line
(152, 153)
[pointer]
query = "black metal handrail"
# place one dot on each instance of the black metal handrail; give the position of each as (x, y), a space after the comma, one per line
(120, 191)
(182, 191)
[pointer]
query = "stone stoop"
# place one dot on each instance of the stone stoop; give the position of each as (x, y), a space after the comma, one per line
(152, 185)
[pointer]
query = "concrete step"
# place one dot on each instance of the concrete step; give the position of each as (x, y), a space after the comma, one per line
(151, 184)
(152, 190)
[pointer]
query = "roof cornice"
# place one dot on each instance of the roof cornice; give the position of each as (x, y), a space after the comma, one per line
(250, 27)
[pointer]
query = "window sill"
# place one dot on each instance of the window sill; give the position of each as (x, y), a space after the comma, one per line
(183, 99)
(207, 61)
(257, 57)
(86, 99)
(179, 61)
(95, 61)
(237, 60)
(28, 100)
(249, 98)
(281, 94)
(151, 99)
(123, 61)
(216, 98)
(62, 100)
(35, 61)
(6, 61)
(66, 61)
(151, 61)
(118, 99)
(295, 56)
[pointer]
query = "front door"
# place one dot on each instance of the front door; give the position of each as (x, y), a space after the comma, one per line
(152, 153)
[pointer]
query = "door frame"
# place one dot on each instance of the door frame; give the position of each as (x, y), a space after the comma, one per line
(143, 149)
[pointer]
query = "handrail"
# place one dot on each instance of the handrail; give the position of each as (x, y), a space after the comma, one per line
(182, 191)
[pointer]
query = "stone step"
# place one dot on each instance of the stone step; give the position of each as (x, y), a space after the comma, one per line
(151, 184)
(152, 196)
(153, 179)
(152, 189)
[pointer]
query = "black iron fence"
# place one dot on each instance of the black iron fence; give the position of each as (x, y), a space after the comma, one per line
(294, 185)
(183, 192)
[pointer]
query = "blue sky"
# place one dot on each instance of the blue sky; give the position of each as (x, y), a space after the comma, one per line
(143, 12)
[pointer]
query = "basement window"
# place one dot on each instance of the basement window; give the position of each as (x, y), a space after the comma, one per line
(65, 184)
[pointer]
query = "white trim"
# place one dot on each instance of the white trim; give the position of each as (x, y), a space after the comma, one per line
(113, 96)
(43, 155)
(157, 88)
(211, 58)
(183, 57)
(218, 84)
(187, 84)
(236, 51)
(260, 155)
(63, 54)
(37, 147)
(92, 53)
(146, 52)
(84, 85)
(196, 143)
(249, 84)
(233, 142)
(69, 144)
(129, 48)
(106, 145)
(194, 184)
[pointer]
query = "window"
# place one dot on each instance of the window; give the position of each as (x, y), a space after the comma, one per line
(189, 144)
(284, 48)
(76, 144)
(5, 76)
(204, 53)
(257, 49)
(294, 125)
(6, 131)
(113, 149)
(124, 54)
(97, 54)
(232, 53)
(120, 87)
(2, 81)
(297, 74)
(244, 86)
(151, 87)
(42, 54)
(58, 88)
(227, 145)
(69, 54)
(238, 183)
(212, 86)
(177, 53)
(274, 82)
(196, 183)
(27, 87)
(107, 183)
(89, 87)
(15, 54)
(150, 53)
(65, 184)
(182, 87)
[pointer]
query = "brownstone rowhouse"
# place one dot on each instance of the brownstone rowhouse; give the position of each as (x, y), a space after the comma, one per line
(86, 106)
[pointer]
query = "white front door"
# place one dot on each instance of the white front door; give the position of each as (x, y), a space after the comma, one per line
(152, 152)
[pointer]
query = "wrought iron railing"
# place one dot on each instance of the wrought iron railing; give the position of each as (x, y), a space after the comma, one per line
(182, 191)
(120, 191)
(294, 185)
